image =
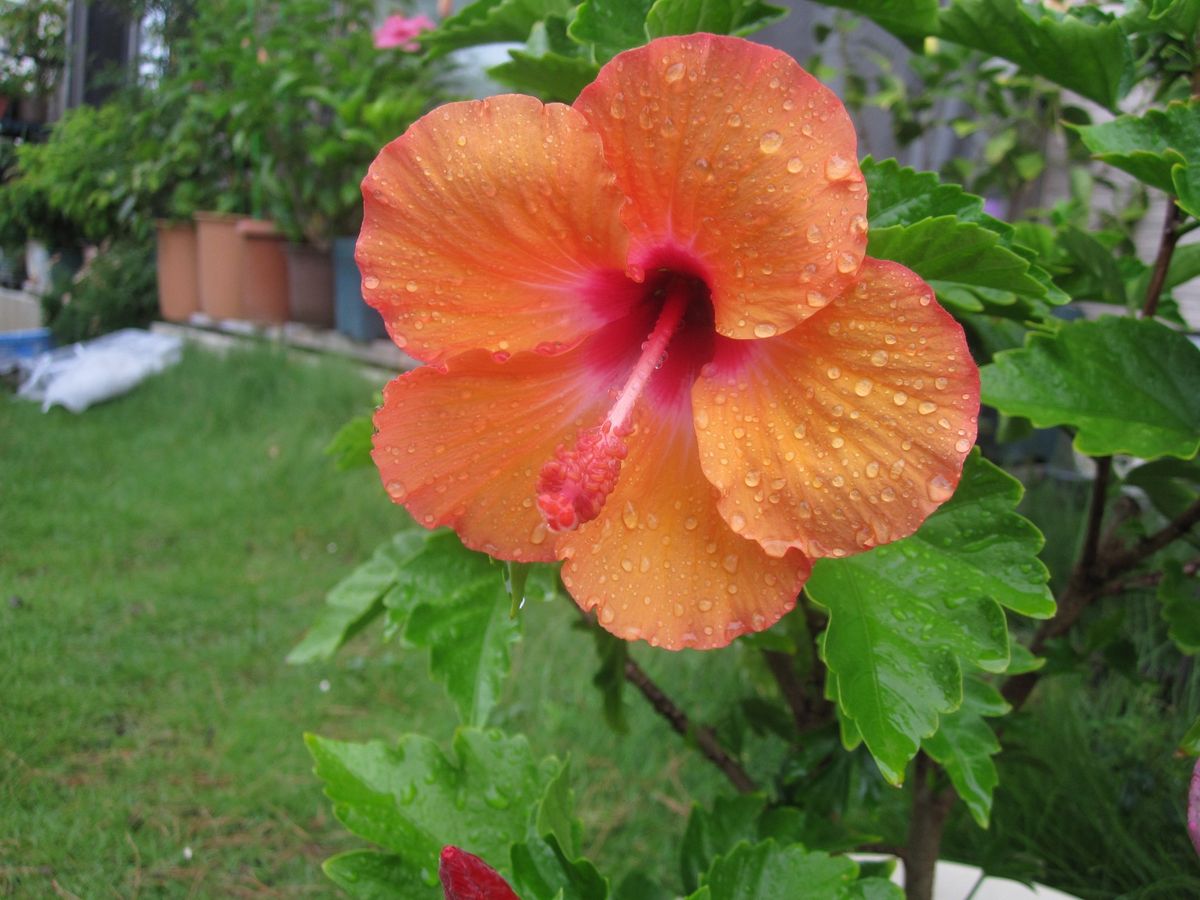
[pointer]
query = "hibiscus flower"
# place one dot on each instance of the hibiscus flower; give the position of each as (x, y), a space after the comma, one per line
(654, 348)
(401, 31)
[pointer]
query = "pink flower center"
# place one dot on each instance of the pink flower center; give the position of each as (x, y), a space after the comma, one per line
(573, 486)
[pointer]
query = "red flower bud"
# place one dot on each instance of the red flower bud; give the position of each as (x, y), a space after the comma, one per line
(467, 877)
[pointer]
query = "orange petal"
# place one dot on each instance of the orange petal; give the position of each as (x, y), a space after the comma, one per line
(661, 565)
(462, 445)
(491, 225)
(736, 158)
(847, 432)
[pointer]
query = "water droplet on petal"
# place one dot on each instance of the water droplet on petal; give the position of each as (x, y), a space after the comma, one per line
(396, 490)
(734, 121)
(795, 165)
(607, 615)
(816, 299)
(962, 445)
(858, 225)
(837, 167)
(925, 407)
(411, 287)
(730, 563)
(798, 432)
(813, 234)
(538, 535)
(673, 73)
(879, 358)
(704, 605)
(461, 140)
(872, 469)
(899, 398)
(887, 495)
(847, 263)
(863, 387)
(764, 330)
(690, 523)
(616, 109)
(834, 373)
(701, 418)
(939, 489)
(753, 478)
(838, 442)
(629, 516)
(370, 282)
(737, 522)
(770, 142)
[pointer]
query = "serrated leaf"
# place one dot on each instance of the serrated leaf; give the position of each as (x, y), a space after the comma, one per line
(1186, 181)
(1180, 599)
(468, 637)
(555, 817)
(541, 871)
(491, 21)
(1177, 16)
(1096, 275)
(899, 195)
(767, 869)
(357, 599)
(904, 617)
(1127, 386)
(368, 875)
(440, 568)
(740, 17)
(965, 744)
(1022, 660)
(551, 76)
(1091, 58)
(1148, 147)
(640, 886)
(610, 26)
(708, 834)
(955, 256)
(413, 800)
(909, 20)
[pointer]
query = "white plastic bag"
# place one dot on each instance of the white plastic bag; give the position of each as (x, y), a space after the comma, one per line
(81, 375)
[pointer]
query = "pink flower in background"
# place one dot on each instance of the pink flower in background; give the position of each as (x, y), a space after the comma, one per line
(400, 31)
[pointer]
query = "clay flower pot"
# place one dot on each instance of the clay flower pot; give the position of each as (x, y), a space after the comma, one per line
(178, 291)
(264, 282)
(310, 285)
(219, 264)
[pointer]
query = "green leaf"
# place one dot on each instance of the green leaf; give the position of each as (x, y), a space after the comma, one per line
(767, 869)
(551, 76)
(909, 20)
(740, 17)
(904, 617)
(640, 886)
(413, 800)
(965, 744)
(709, 834)
(1180, 599)
(1148, 147)
(1091, 58)
(541, 871)
(435, 574)
(369, 875)
(1171, 484)
(357, 599)
(1022, 659)
(899, 195)
(554, 817)
(468, 637)
(958, 256)
(1190, 742)
(1176, 16)
(491, 21)
(610, 26)
(610, 677)
(351, 446)
(1097, 275)
(1186, 181)
(1128, 386)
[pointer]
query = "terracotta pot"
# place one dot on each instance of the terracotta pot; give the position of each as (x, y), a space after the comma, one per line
(310, 285)
(178, 291)
(219, 265)
(264, 272)
(354, 318)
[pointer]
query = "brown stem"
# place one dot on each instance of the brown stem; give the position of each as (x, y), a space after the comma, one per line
(1086, 586)
(1162, 262)
(1099, 496)
(809, 709)
(706, 740)
(1149, 580)
(930, 809)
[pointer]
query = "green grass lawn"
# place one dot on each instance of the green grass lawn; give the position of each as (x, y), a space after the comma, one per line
(159, 555)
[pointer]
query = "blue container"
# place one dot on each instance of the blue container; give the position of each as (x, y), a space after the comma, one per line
(351, 315)
(25, 344)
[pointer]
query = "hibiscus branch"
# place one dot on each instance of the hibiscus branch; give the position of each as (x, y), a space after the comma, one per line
(705, 739)
(1162, 263)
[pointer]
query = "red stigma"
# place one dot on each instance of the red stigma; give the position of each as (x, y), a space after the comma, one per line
(572, 487)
